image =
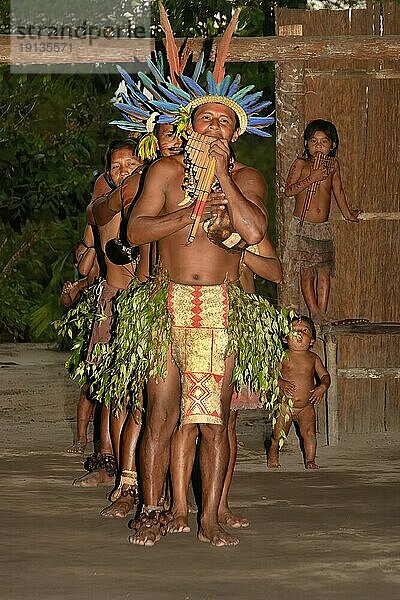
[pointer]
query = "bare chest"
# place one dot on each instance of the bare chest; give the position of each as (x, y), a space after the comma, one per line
(298, 365)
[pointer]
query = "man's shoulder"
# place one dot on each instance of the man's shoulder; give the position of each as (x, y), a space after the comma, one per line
(167, 164)
(251, 182)
(242, 169)
(244, 174)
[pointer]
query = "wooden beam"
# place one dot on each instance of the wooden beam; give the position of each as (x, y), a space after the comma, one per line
(365, 373)
(353, 74)
(372, 216)
(379, 216)
(245, 49)
(360, 329)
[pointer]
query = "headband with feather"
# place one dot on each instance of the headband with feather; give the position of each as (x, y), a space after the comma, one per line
(175, 96)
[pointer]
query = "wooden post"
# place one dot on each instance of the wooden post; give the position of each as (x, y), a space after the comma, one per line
(332, 395)
(289, 97)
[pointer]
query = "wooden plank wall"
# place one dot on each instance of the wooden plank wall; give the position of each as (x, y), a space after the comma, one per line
(362, 98)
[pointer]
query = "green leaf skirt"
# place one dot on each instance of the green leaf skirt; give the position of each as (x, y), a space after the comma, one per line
(142, 336)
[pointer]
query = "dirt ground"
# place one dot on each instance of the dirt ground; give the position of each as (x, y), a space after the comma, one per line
(331, 534)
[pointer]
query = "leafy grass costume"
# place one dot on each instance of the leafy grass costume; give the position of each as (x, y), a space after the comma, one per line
(143, 334)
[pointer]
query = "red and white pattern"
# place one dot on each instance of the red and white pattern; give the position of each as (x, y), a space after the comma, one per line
(199, 340)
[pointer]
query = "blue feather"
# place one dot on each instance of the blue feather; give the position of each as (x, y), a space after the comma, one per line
(249, 100)
(223, 86)
(157, 74)
(166, 119)
(149, 85)
(167, 107)
(234, 86)
(129, 127)
(130, 98)
(259, 132)
(122, 125)
(133, 89)
(199, 68)
(160, 61)
(171, 106)
(169, 94)
(128, 79)
(140, 101)
(125, 99)
(132, 110)
(257, 107)
(239, 94)
(212, 86)
(176, 90)
(140, 97)
(124, 116)
(260, 121)
(194, 88)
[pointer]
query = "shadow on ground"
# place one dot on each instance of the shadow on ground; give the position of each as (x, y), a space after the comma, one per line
(331, 534)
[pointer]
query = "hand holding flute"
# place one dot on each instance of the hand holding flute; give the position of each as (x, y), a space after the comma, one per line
(321, 168)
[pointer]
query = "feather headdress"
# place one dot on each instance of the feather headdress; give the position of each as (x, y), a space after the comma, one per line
(174, 97)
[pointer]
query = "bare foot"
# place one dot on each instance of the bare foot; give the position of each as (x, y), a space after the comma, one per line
(178, 524)
(227, 517)
(120, 508)
(216, 536)
(94, 478)
(146, 536)
(77, 447)
(272, 464)
(311, 464)
(149, 527)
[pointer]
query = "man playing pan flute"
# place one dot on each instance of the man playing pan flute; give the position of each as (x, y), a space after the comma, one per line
(198, 303)
(197, 276)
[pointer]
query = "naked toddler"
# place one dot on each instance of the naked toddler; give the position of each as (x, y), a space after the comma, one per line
(298, 384)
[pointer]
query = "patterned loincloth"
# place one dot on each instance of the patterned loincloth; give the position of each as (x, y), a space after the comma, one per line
(104, 318)
(310, 246)
(199, 340)
(244, 325)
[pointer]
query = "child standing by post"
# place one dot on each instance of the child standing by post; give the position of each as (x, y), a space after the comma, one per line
(298, 383)
(312, 179)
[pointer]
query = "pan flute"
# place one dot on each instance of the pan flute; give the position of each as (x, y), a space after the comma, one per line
(202, 169)
(320, 160)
